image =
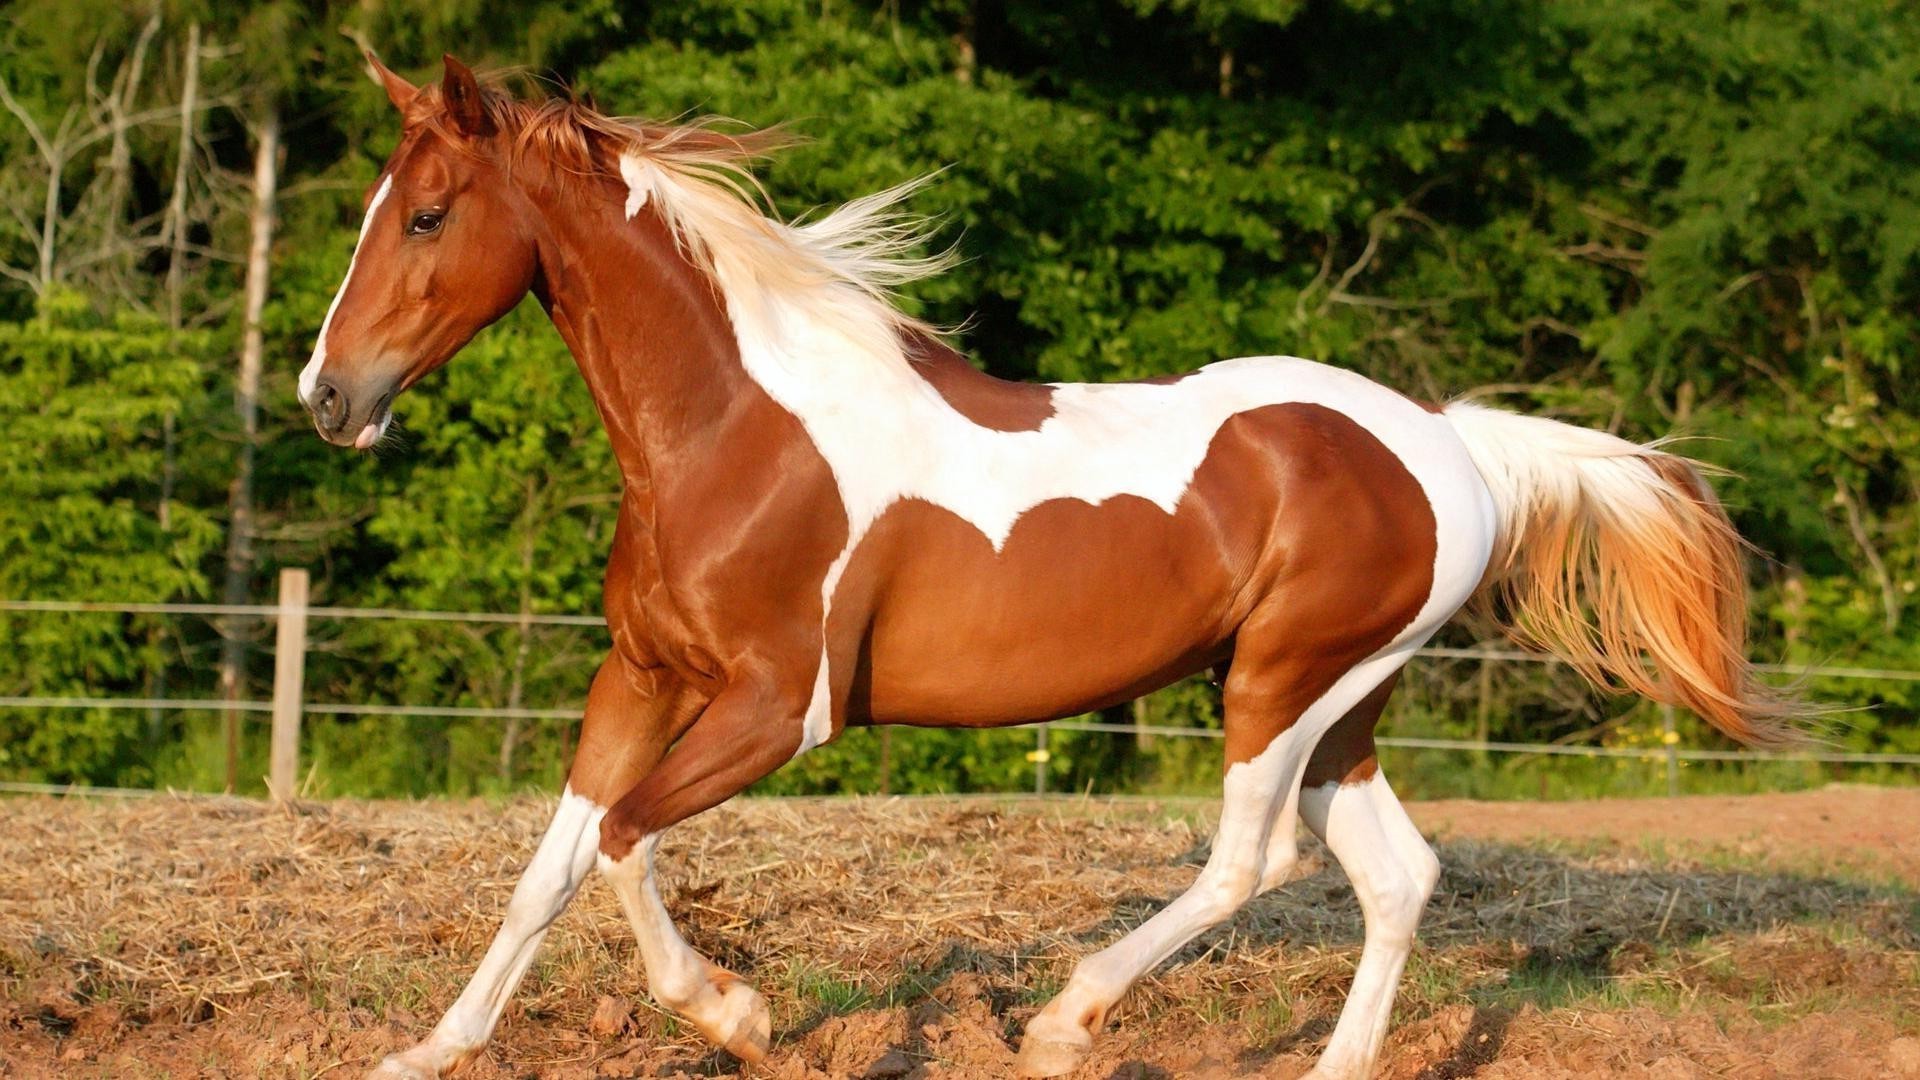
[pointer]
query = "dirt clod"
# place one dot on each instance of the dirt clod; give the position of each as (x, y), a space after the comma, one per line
(610, 1017)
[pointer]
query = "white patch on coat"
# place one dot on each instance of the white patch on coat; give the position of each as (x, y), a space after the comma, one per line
(310, 375)
(820, 348)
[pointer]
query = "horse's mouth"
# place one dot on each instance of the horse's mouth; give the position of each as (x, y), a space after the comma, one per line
(375, 428)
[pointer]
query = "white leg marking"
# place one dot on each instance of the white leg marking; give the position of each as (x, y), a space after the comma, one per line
(1394, 872)
(310, 375)
(560, 863)
(728, 1011)
(1258, 793)
(1283, 843)
(1231, 874)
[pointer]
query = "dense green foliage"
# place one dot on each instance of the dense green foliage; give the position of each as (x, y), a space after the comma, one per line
(1691, 216)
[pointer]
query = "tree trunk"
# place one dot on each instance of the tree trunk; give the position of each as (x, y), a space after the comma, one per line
(54, 150)
(246, 402)
(157, 684)
(176, 227)
(120, 100)
(966, 59)
(50, 223)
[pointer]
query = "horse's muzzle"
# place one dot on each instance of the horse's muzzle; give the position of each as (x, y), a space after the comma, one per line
(342, 418)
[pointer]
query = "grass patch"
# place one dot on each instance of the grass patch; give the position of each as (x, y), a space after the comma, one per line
(825, 990)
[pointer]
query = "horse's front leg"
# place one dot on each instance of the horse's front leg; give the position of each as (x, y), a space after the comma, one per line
(748, 731)
(632, 714)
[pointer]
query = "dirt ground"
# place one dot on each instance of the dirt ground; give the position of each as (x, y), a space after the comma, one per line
(1764, 936)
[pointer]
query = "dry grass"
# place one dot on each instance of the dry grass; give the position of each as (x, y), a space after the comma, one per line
(217, 937)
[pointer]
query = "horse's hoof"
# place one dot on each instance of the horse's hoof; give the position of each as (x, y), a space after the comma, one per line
(397, 1067)
(424, 1062)
(744, 1026)
(752, 1039)
(1041, 1056)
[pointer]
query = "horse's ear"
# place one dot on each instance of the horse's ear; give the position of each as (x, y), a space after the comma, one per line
(460, 96)
(399, 90)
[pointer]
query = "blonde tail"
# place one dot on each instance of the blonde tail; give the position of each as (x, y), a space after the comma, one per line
(1618, 559)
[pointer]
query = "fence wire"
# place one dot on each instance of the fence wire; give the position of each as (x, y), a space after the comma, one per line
(1669, 752)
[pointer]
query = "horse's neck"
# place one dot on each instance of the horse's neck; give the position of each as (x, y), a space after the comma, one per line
(648, 332)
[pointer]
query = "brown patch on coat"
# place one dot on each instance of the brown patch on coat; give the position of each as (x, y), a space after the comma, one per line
(999, 404)
(943, 631)
(633, 714)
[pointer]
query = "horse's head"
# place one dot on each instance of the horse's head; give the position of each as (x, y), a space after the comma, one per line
(446, 248)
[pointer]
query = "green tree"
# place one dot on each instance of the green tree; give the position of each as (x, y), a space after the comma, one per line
(89, 515)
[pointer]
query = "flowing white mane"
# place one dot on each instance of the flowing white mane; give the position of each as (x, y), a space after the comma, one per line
(841, 267)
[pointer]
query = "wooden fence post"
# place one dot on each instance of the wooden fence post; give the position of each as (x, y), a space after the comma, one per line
(289, 675)
(1671, 739)
(1039, 755)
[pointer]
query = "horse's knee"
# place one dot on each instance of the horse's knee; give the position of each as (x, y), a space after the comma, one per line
(1278, 869)
(1394, 898)
(620, 837)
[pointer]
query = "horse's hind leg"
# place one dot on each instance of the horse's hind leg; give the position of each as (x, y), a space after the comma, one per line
(1270, 734)
(1346, 750)
(1394, 872)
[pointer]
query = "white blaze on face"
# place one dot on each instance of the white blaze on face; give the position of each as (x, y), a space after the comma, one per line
(310, 375)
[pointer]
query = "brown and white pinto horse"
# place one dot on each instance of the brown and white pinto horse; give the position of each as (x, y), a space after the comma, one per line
(830, 518)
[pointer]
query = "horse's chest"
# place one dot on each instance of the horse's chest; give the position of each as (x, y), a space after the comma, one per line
(728, 563)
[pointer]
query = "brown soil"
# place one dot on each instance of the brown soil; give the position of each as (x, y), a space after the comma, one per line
(1868, 830)
(1767, 936)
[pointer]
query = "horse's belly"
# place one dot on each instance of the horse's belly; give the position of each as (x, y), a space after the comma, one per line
(1049, 628)
(1061, 677)
(1083, 606)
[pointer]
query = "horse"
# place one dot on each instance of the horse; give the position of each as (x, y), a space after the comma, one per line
(831, 518)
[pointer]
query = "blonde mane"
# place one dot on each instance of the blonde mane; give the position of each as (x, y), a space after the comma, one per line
(842, 266)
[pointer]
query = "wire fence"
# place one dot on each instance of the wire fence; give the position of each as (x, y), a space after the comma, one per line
(289, 705)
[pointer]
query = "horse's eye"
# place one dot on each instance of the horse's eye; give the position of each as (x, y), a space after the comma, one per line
(425, 222)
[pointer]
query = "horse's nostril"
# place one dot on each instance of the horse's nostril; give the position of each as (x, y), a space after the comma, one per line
(329, 407)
